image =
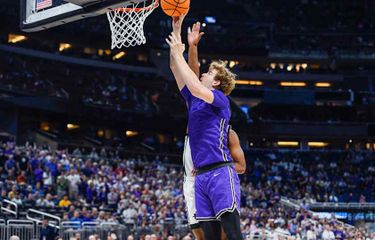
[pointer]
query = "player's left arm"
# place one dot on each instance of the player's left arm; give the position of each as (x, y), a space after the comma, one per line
(237, 152)
(176, 25)
(183, 71)
(194, 36)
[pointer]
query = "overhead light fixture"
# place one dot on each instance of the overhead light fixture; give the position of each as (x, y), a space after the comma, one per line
(290, 67)
(273, 65)
(304, 65)
(256, 83)
(14, 38)
(317, 144)
(64, 46)
(232, 63)
(131, 133)
(322, 84)
(315, 66)
(287, 143)
(100, 133)
(292, 84)
(210, 19)
(71, 126)
(298, 67)
(91, 51)
(119, 55)
(249, 82)
(242, 82)
(44, 126)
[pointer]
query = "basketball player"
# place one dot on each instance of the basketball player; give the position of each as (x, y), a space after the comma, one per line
(189, 195)
(194, 36)
(217, 187)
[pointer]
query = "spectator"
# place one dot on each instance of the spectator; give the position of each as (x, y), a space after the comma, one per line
(112, 236)
(327, 233)
(47, 232)
(10, 164)
(65, 202)
(112, 198)
(130, 215)
(22, 179)
(47, 177)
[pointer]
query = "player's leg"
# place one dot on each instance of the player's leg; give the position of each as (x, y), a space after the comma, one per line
(197, 231)
(211, 229)
(223, 235)
(224, 193)
(204, 212)
(189, 195)
(230, 221)
(199, 234)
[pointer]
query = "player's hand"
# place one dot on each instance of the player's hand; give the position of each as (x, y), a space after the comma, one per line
(194, 36)
(177, 24)
(177, 48)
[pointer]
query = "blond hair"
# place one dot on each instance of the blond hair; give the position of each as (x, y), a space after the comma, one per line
(226, 78)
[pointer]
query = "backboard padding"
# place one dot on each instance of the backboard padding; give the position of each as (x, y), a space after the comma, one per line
(63, 12)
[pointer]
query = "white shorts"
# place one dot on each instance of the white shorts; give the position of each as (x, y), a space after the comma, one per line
(189, 195)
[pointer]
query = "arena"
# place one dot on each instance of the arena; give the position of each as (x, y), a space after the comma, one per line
(95, 124)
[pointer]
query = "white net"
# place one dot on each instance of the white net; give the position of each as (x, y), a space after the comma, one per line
(127, 23)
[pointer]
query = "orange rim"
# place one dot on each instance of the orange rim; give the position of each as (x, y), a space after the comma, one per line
(150, 7)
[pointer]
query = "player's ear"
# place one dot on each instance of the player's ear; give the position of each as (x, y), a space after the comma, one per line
(216, 83)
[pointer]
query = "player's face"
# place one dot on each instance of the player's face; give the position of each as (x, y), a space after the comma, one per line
(208, 78)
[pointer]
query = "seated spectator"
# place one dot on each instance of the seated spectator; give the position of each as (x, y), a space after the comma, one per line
(22, 179)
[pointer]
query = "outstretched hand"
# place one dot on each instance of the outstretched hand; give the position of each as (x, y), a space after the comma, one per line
(194, 34)
(177, 48)
(177, 24)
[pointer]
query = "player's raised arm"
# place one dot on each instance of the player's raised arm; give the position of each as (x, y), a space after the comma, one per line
(194, 36)
(237, 152)
(176, 26)
(182, 71)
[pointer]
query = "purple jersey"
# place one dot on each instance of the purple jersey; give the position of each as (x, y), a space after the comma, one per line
(208, 128)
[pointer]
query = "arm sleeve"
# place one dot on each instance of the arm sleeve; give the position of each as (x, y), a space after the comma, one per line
(220, 100)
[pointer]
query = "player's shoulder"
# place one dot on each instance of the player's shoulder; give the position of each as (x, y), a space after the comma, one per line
(220, 96)
(219, 93)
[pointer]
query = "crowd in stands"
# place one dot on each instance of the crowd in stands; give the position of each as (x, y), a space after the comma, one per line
(89, 86)
(147, 193)
(303, 113)
(315, 177)
(17, 74)
(145, 92)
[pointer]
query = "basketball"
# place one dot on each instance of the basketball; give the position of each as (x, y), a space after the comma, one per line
(175, 8)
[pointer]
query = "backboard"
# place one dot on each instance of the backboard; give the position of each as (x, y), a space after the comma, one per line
(37, 15)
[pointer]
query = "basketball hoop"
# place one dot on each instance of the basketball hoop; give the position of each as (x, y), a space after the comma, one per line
(127, 23)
